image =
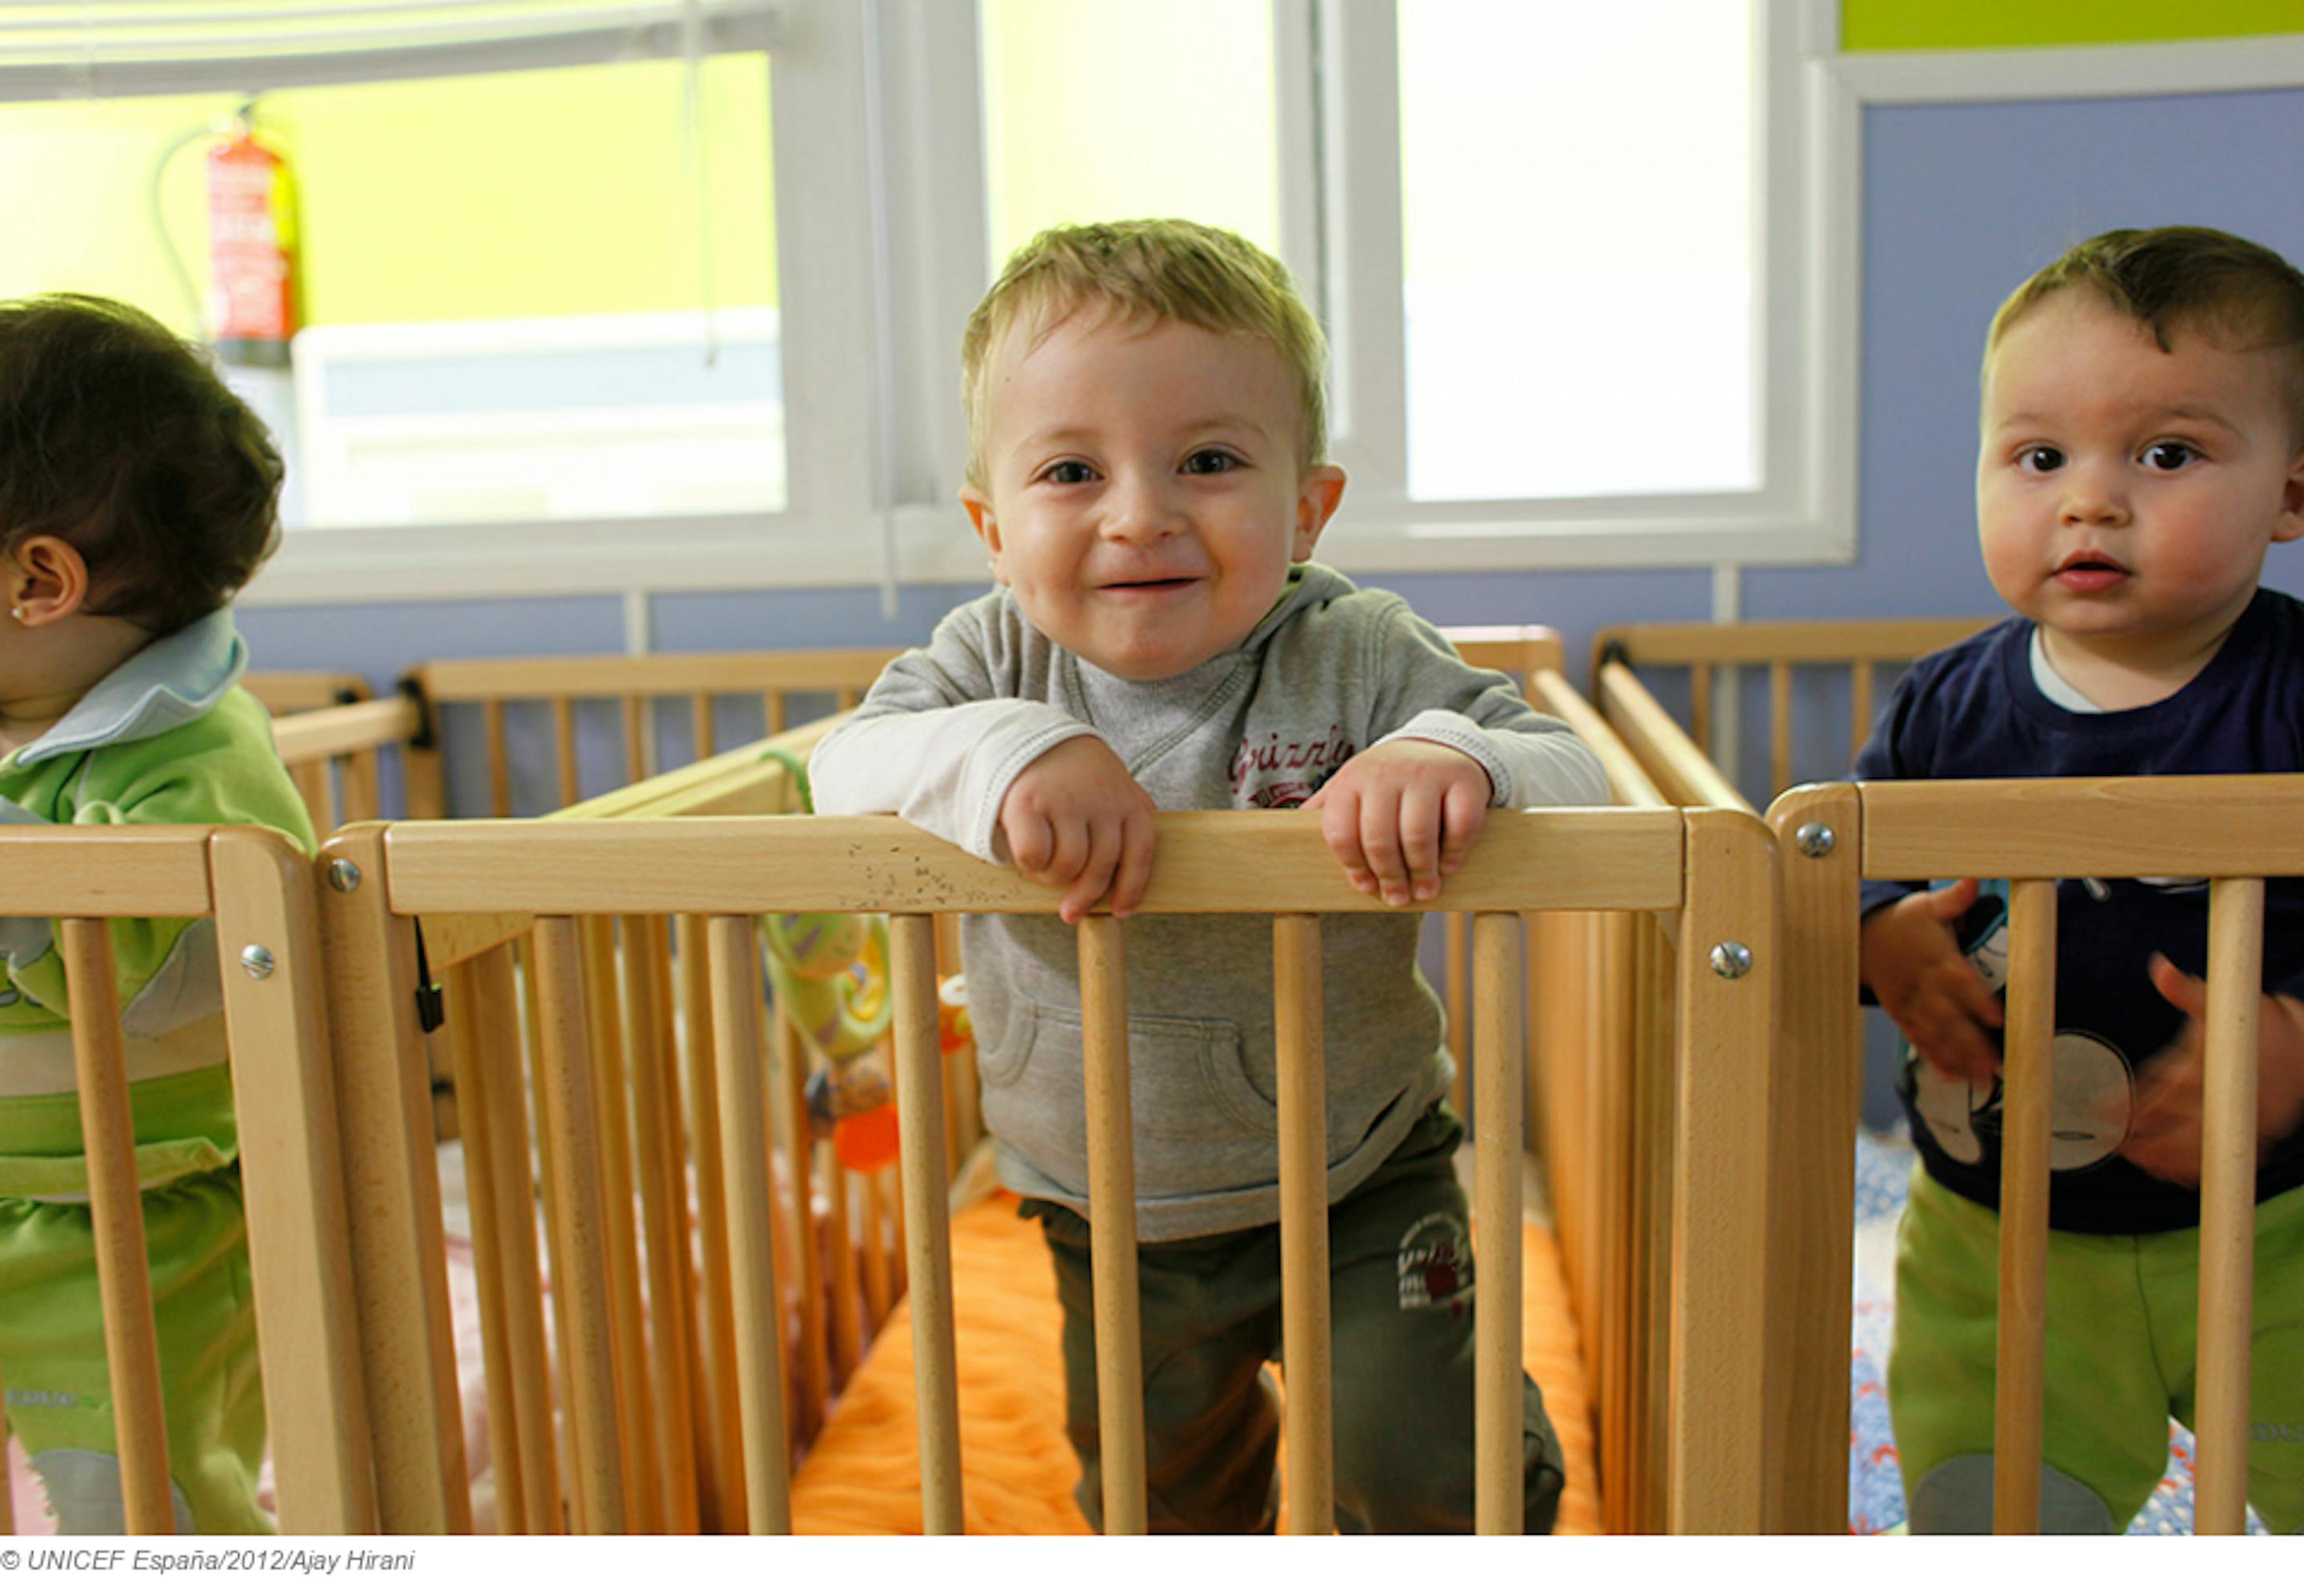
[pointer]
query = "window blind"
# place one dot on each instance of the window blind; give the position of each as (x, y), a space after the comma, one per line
(123, 48)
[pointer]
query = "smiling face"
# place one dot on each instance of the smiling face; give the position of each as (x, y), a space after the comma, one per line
(2125, 494)
(1142, 498)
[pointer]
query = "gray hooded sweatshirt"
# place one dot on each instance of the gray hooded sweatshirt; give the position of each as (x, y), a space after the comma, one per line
(1331, 671)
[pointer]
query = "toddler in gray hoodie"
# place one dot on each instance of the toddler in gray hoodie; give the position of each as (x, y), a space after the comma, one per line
(1147, 475)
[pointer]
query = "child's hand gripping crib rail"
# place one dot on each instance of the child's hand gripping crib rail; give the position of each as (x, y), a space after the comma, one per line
(1708, 870)
(2232, 831)
(259, 891)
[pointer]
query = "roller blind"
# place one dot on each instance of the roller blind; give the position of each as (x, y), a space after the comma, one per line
(121, 48)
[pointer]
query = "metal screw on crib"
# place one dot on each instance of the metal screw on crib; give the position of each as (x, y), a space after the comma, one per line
(1730, 961)
(1815, 840)
(345, 875)
(257, 960)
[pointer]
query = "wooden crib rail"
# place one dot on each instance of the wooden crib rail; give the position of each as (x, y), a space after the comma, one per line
(2031, 833)
(291, 693)
(331, 754)
(258, 891)
(637, 684)
(1707, 870)
(1714, 652)
(1680, 769)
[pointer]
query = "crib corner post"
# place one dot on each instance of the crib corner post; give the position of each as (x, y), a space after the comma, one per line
(1729, 962)
(284, 1098)
(392, 1185)
(1815, 1096)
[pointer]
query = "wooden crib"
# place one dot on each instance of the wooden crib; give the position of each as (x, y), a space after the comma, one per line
(2030, 834)
(1605, 1102)
(1829, 839)
(1708, 872)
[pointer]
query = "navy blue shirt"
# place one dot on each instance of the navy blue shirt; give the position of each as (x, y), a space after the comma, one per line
(1974, 710)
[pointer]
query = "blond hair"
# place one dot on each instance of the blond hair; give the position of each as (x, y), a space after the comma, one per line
(1154, 270)
(2172, 279)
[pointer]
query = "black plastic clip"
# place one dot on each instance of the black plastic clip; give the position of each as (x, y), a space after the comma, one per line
(431, 1009)
(427, 735)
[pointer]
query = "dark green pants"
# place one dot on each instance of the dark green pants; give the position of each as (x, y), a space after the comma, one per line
(1400, 1291)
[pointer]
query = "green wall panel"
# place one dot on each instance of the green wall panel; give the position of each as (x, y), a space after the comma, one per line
(1996, 24)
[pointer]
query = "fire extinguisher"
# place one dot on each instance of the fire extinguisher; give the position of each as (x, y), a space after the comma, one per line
(253, 306)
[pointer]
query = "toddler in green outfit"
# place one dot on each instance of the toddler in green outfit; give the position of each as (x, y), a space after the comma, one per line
(137, 494)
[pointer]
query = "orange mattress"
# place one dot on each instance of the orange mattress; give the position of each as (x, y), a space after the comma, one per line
(863, 1476)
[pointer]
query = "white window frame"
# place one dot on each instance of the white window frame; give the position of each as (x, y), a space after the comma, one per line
(1805, 509)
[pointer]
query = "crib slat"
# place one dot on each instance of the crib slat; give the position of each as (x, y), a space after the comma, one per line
(920, 1111)
(1720, 1176)
(880, 1286)
(493, 992)
(1112, 1210)
(847, 1282)
(1699, 705)
(800, 1156)
(492, 726)
(362, 799)
(1780, 726)
(1459, 1028)
(1859, 706)
(483, 1147)
(2025, 1093)
(743, 1073)
(555, 1239)
(563, 749)
(627, 1317)
(1655, 1241)
(1498, 1447)
(312, 785)
(2228, 1159)
(700, 712)
(664, 1216)
(633, 713)
(581, 1278)
(1623, 1096)
(1304, 1307)
(131, 1345)
(723, 1472)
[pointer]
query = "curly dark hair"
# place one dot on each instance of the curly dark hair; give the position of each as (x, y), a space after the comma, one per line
(121, 438)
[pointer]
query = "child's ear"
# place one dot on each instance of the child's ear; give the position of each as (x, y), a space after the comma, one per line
(46, 581)
(1316, 502)
(985, 520)
(2288, 525)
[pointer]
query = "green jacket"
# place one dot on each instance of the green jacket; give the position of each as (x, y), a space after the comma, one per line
(166, 739)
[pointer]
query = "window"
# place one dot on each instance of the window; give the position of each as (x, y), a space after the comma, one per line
(1575, 219)
(1566, 253)
(1563, 252)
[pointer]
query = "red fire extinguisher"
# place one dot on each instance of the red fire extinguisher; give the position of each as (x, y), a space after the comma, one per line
(252, 294)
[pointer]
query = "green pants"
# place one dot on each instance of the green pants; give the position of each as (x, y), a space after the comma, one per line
(1401, 1331)
(52, 1353)
(2123, 1345)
